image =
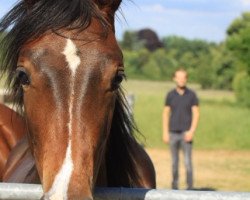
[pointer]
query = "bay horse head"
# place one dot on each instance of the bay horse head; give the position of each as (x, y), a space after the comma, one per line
(65, 67)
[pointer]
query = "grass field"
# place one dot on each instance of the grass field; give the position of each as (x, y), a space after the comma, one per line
(223, 124)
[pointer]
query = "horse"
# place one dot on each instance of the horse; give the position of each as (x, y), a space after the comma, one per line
(12, 130)
(65, 69)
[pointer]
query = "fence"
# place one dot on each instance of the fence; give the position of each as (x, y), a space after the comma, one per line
(34, 192)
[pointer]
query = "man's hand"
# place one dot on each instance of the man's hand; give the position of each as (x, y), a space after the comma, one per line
(165, 138)
(189, 136)
(190, 133)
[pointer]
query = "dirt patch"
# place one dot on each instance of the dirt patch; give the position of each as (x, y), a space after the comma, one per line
(215, 170)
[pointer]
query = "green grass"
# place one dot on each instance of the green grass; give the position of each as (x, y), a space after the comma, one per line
(223, 124)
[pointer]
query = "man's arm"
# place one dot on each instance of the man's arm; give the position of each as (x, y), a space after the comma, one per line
(195, 119)
(165, 124)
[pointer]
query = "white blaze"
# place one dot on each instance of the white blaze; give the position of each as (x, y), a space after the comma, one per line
(60, 185)
(72, 58)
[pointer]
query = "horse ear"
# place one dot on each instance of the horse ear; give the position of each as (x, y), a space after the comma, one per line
(109, 7)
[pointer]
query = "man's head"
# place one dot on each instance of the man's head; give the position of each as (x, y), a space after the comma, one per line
(180, 78)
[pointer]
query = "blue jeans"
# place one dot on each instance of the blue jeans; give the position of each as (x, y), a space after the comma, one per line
(177, 142)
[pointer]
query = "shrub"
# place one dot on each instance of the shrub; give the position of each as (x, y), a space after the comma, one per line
(241, 87)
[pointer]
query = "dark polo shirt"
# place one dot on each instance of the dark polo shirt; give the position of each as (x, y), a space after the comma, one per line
(181, 109)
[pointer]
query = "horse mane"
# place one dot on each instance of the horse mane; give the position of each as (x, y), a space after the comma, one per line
(120, 156)
(24, 23)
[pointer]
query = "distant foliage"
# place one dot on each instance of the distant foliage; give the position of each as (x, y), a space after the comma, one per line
(242, 88)
(145, 38)
(208, 63)
(150, 39)
(131, 42)
(238, 42)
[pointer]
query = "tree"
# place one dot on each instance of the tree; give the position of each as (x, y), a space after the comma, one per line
(150, 39)
(160, 66)
(242, 88)
(239, 24)
(224, 67)
(135, 61)
(238, 42)
(131, 42)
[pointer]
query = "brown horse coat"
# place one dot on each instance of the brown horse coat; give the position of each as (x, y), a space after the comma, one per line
(12, 129)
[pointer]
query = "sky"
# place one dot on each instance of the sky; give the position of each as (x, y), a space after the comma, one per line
(193, 19)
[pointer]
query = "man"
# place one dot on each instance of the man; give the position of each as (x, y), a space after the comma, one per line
(180, 120)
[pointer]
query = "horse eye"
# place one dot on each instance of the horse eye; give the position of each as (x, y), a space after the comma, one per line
(119, 77)
(22, 76)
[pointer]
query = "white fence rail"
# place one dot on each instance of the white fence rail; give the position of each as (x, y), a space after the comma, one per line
(34, 192)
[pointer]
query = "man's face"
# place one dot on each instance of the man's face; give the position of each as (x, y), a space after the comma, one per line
(180, 79)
